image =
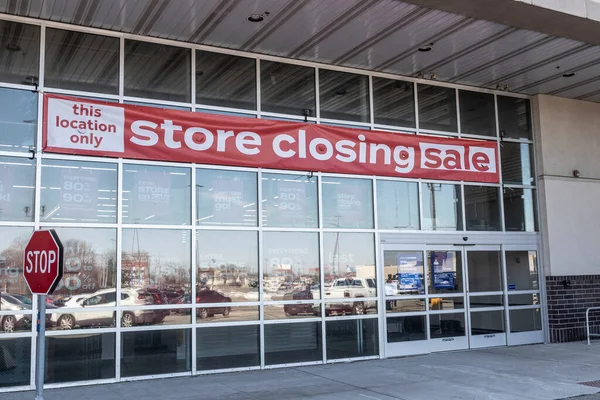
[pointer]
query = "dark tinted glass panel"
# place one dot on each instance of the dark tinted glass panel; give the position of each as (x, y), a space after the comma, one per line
(437, 108)
(352, 338)
(477, 113)
(349, 264)
(514, 116)
(291, 265)
(525, 320)
(347, 203)
(397, 205)
(157, 71)
(227, 347)
(156, 258)
(17, 189)
(75, 191)
(156, 195)
(156, 352)
(393, 102)
(20, 56)
(80, 358)
(517, 163)
(344, 96)
(446, 325)
(226, 197)
(486, 301)
(289, 201)
(487, 322)
(293, 343)
(482, 208)
(442, 207)
(522, 270)
(226, 81)
(90, 264)
(18, 119)
(15, 363)
(520, 209)
(523, 299)
(405, 329)
(81, 61)
(12, 247)
(232, 270)
(287, 88)
(485, 272)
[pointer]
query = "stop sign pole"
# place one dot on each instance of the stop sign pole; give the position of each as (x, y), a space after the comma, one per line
(42, 270)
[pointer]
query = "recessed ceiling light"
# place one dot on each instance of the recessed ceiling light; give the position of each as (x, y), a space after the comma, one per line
(426, 48)
(257, 17)
(13, 47)
(568, 74)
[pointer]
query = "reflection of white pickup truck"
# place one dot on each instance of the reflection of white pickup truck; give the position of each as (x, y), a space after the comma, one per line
(351, 289)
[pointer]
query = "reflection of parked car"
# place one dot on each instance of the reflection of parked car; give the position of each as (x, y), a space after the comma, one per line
(303, 308)
(173, 296)
(211, 296)
(11, 322)
(23, 299)
(351, 289)
(103, 299)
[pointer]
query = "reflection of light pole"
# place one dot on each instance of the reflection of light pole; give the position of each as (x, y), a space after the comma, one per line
(336, 248)
(434, 187)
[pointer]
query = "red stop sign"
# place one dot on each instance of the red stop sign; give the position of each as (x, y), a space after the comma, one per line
(43, 262)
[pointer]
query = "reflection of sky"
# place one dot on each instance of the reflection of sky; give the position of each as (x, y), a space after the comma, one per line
(215, 249)
(445, 206)
(99, 193)
(18, 119)
(163, 244)
(398, 205)
(359, 247)
(301, 211)
(101, 239)
(9, 234)
(17, 178)
(296, 252)
(359, 214)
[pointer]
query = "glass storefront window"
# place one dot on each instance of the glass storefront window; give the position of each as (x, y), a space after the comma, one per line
(393, 102)
(404, 306)
(485, 271)
(287, 88)
(517, 163)
(447, 325)
(487, 322)
(514, 116)
(442, 207)
(477, 113)
(226, 81)
(18, 119)
(444, 272)
(17, 189)
(405, 329)
(347, 203)
(352, 338)
(229, 269)
(227, 347)
(519, 209)
(156, 195)
(403, 272)
(21, 45)
(157, 71)
(397, 205)
(291, 311)
(293, 343)
(15, 368)
(156, 352)
(525, 320)
(437, 108)
(522, 270)
(349, 257)
(291, 265)
(74, 191)
(90, 265)
(344, 96)
(12, 247)
(482, 208)
(158, 260)
(289, 201)
(81, 61)
(226, 197)
(80, 358)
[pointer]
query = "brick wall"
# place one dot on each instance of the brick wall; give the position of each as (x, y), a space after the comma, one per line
(567, 305)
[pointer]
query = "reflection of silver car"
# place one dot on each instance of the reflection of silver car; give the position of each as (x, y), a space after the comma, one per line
(101, 300)
(10, 322)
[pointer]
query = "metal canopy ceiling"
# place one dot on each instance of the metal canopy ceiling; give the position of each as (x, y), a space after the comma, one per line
(377, 35)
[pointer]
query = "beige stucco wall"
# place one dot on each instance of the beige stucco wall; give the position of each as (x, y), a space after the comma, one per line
(568, 139)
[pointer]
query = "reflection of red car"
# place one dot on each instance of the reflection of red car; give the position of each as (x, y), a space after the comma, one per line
(211, 296)
(295, 309)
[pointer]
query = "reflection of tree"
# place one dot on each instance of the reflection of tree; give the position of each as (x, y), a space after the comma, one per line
(11, 260)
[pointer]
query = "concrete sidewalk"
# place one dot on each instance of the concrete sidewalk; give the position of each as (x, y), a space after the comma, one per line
(507, 373)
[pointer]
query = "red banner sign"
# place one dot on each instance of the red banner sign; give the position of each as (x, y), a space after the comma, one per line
(85, 127)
